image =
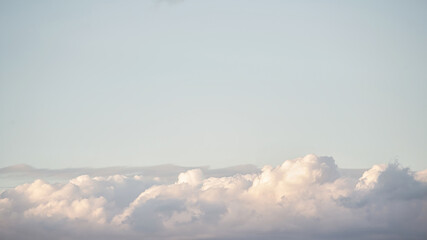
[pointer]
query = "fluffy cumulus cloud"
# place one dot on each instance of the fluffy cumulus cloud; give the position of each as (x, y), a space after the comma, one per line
(303, 198)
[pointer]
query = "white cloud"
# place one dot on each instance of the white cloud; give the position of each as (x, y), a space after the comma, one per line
(303, 198)
(370, 178)
(192, 177)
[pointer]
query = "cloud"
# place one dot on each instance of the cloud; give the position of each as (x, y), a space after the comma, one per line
(303, 198)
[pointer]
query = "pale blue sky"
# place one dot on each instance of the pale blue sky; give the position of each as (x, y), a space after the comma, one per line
(219, 83)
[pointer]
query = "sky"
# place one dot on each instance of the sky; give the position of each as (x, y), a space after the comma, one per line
(212, 83)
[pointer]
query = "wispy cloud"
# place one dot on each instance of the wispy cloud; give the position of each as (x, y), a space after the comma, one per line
(303, 198)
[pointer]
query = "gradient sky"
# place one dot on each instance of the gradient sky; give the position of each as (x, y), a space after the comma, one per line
(219, 83)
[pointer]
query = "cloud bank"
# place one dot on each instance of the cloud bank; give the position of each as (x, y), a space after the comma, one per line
(303, 198)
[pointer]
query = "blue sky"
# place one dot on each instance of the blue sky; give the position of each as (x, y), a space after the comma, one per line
(219, 83)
